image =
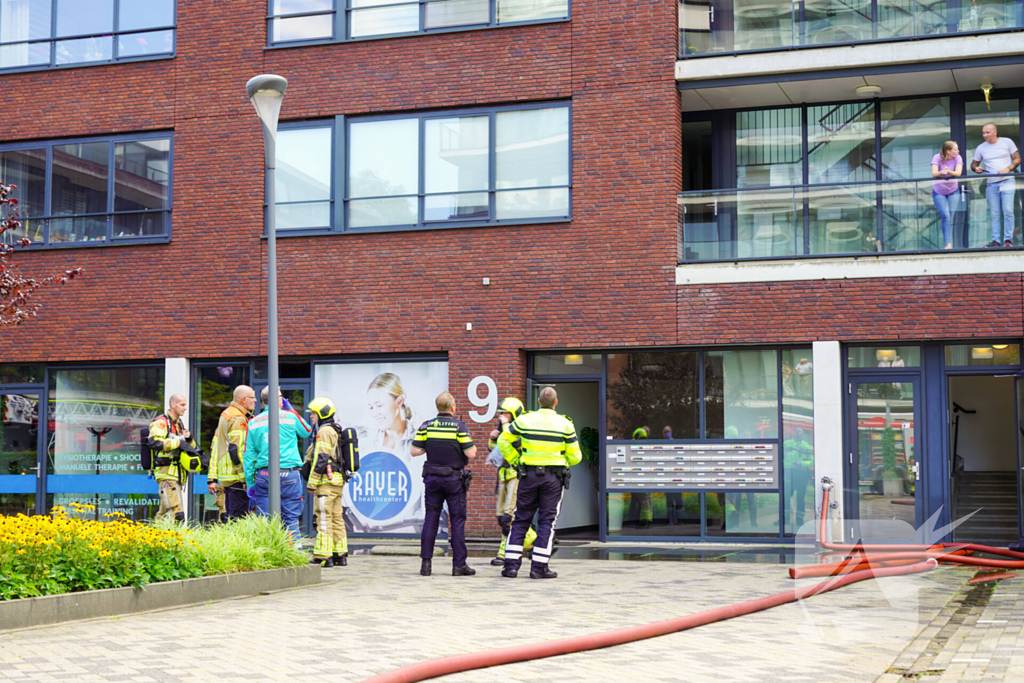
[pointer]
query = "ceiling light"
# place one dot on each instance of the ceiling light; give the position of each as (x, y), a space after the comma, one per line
(574, 359)
(983, 353)
(869, 90)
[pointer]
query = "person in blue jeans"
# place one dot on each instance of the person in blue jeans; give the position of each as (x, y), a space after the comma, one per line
(256, 461)
(947, 165)
(1000, 157)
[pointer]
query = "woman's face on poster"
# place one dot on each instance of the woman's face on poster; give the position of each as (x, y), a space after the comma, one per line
(383, 406)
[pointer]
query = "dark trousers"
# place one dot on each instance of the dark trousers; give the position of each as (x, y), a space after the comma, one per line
(236, 500)
(439, 490)
(540, 491)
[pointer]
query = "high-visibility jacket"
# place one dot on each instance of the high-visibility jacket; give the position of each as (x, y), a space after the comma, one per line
(797, 453)
(228, 448)
(505, 472)
(321, 453)
(165, 439)
(547, 439)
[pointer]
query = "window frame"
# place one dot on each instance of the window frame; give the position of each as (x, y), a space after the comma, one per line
(114, 33)
(332, 126)
(109, 238)
(342, 10)
(340, 168)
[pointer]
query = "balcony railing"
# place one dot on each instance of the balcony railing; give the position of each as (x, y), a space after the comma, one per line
(724, 26)
(839, 219)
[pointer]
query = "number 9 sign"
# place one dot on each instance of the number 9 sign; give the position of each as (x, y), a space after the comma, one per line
(490, 399)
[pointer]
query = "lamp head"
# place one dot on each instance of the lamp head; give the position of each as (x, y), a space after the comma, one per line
(266, 93)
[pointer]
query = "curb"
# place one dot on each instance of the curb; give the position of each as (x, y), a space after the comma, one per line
(53, 609)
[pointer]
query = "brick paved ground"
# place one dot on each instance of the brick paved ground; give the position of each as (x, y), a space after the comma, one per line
(379, 613)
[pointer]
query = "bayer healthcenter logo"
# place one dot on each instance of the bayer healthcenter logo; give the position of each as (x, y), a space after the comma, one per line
(380, 489)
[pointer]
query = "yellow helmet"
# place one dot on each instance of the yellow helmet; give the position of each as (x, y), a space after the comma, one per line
(512, 405)
(322, 407)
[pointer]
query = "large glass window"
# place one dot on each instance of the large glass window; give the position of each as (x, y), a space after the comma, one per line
(657, 390)
(215, 386)
(982, 354)
(96, 415)
(797, 366)
(42, 33)
(433, 169)
(884, 357)
(741, 396)
(99, 190)
(303, 178)
(323, 20)
(769, 147)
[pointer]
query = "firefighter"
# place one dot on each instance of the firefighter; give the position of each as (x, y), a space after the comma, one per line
(549, 448)
(227, 472)
(508, 479)
(167, 434)
(326, 486)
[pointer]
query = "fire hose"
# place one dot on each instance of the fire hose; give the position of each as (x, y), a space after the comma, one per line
(857, 565)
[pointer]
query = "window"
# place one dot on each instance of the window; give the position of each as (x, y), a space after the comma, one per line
(476, 168)
(50, 33)
(657, 390)
(291, 21)
(741, 396)
(90, 191)
(982, 354)
(884, 357)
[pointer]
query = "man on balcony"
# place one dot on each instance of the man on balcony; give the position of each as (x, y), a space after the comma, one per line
(1000, 156)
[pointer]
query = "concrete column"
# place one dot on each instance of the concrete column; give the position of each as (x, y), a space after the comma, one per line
(177, 381)
(828, 425)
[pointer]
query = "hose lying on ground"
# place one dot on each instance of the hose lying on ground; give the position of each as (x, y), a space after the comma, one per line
(856, 565)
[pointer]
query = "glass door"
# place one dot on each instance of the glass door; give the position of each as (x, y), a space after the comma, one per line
(884, 465)
(1005, 114)
(20, 449)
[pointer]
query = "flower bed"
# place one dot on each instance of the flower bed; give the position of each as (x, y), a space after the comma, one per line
(63, 554)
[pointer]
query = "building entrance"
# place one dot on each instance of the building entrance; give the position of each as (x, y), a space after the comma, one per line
(983, 458)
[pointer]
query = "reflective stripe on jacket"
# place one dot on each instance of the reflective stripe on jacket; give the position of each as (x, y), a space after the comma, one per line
(505, 472)
(320, 453)
(231, 431)
(165, 440)
(547, 439)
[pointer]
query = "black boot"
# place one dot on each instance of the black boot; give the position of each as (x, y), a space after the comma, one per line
(498, 562)
(342, 560)
(464, 570)
(424, 567)
(511, 569)
(316, 560)
(543, 573)
(328, 563)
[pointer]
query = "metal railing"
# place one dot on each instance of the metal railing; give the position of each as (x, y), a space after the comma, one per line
(841, 219)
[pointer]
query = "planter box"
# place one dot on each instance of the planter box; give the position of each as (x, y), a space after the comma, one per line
(52, 609)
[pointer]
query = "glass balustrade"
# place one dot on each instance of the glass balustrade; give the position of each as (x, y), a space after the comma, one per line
(841, 219)
(717, 26)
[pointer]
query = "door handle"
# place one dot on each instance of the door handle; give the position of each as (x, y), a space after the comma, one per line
(917, 472)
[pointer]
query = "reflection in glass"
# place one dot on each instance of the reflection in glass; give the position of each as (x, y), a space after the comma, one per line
(24, 54)
(797, 437)
(383, 20)
(26, 169)
(456, 207)
(531, 10)
(958, 355)
(567, 364)
(532, 148)
(383, 158)
(769, 148)
(142, 175)
(83, 50)
(97, 415)
(768, 223)
(762, 24)
(444, 13)
(302, 28)
(149, 43)
(841, 143)
(24, 20)
(884, 356)
(368, 213)
(19, 437)
(885, 454)
(741, 398)
(456, 154)
(826, 22)
(21, 374)
(659, 514)
(134, 506)
(303, 179)
(653, 389)
(521, 204)
(79, 178)
(842, 219)
(744, 513)
(82, 17)
(134, 15)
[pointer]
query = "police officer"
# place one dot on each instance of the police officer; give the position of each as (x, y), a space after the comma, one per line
(508, 478)
(227, 473)
(446, 442)
(326, 485)
(549, 448)
(167, 434)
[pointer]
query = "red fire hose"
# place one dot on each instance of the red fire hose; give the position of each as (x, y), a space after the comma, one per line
(856, 565)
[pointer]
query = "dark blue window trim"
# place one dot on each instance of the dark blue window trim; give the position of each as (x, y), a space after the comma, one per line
(342, 9)
(115, 33)
(110, 239)
(339, 179)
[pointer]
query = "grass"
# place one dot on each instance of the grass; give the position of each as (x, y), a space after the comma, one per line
(247, 544)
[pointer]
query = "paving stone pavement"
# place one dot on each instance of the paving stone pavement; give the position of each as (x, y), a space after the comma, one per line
(378, 613)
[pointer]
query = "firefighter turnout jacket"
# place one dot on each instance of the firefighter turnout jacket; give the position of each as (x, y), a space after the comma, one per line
(547, 438)
(228, 449)
(165, 439)
(325, 467)
(506, 471)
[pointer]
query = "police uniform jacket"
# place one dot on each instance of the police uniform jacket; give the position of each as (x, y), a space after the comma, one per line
(547, 438)
(445, 439)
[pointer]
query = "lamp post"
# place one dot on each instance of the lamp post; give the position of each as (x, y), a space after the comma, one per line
(266, 93)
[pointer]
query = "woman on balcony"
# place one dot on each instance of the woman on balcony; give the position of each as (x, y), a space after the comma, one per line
(947, 164)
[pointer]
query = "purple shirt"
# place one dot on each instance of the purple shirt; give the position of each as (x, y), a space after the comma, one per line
(946, 186)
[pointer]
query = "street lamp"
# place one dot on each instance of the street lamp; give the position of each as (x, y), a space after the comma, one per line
(266, 93)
